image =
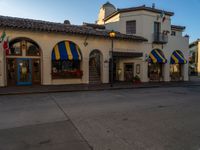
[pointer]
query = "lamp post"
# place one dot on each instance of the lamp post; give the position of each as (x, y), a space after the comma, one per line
(112, 35)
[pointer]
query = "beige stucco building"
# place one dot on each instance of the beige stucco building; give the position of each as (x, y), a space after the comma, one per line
(194, 58)
(145, 45)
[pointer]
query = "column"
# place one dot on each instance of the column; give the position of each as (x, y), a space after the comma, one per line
(166, 72)
(105, 70)
(144, 71)
(185, 72)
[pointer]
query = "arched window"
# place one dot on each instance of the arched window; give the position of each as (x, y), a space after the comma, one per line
(24, 44)
(23, 62)
(155, 66)
(176, 65)
(66, 60)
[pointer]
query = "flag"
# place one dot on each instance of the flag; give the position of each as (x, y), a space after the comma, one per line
(6, 46)
(162, 16)
(3, 35)
(163, 19)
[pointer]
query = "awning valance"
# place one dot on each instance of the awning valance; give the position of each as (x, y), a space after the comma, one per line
(178, 58)
(66, 50)
(156, 56)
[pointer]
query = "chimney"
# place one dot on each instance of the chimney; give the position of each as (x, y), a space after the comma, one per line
(67, 22)
(153, 6)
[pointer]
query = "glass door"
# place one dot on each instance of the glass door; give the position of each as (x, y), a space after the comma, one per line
(24, 71)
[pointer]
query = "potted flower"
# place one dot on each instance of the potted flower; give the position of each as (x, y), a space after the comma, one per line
(136, 79)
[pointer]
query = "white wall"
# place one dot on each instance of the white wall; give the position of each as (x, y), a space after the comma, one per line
(47, 41)
(144, 23)
(145, 28)
(2, 65)
(198, 65)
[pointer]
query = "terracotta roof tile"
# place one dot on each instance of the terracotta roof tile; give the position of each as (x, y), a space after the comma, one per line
(38, 25)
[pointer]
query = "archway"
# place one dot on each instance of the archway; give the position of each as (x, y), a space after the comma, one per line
(23, 62)
(176, 65)
(156, 63)
(66, 61)
(95, 67)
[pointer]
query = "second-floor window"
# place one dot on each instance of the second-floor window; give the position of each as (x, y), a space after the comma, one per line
(156, 27)
(131, 27)
(173, 33)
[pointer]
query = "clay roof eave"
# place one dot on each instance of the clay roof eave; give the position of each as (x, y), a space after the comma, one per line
(41, 26)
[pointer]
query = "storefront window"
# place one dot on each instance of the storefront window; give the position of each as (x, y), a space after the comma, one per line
(11, 71)
(175, 72)
(32, 49)
(15, 49)
(155, 71)
(28, 47)
(66, 69)
(66, 60)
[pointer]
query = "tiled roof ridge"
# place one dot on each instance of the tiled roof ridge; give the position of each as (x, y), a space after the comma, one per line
(142, 7)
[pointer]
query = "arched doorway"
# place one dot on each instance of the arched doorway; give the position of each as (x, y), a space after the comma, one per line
(23, 62)
(95, 67)
(176, 65)
(156, 63)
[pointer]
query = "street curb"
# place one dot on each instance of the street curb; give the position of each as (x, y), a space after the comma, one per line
(88, 89)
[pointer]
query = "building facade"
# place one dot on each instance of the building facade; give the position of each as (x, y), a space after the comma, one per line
(145, 44)
(194, 58)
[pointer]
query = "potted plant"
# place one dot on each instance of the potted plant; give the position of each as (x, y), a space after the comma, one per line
(136, 79)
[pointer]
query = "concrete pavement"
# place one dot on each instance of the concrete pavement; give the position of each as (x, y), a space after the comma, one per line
(36, 89)
(141, 119)
(35, 122)
(48, 136)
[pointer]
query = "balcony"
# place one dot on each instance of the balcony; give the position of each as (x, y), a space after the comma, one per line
(160, 38)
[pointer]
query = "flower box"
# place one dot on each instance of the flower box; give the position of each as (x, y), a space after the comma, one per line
(72, 74)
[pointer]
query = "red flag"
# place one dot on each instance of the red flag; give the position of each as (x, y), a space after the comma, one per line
(164, 18)
(6, 47)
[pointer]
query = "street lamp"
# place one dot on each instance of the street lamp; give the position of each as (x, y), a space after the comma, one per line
(112, 35)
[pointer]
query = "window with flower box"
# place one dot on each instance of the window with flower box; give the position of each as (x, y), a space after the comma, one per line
(66, 61)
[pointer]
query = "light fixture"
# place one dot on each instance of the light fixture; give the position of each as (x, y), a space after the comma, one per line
(112, 34)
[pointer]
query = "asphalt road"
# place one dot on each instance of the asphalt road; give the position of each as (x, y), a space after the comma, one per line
(139, 119)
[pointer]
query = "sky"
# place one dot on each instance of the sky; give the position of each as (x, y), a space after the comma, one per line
(79, 11)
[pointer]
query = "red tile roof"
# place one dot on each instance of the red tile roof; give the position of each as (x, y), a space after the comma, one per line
(45, 26)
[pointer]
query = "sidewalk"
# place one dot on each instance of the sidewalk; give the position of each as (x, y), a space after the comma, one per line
(85, 87)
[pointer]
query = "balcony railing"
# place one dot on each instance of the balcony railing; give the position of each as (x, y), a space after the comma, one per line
(160, 38)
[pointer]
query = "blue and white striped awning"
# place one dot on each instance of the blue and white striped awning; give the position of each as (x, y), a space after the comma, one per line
(66, 50)
(178, 58)
(156, 56)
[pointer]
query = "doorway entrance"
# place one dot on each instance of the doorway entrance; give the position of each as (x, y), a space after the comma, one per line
(95, 67)
(128, 72)
(23, 71)
(23, 63)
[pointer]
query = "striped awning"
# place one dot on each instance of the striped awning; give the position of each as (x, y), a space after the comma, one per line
(156, 56)
(178, 58)
(66, 50)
